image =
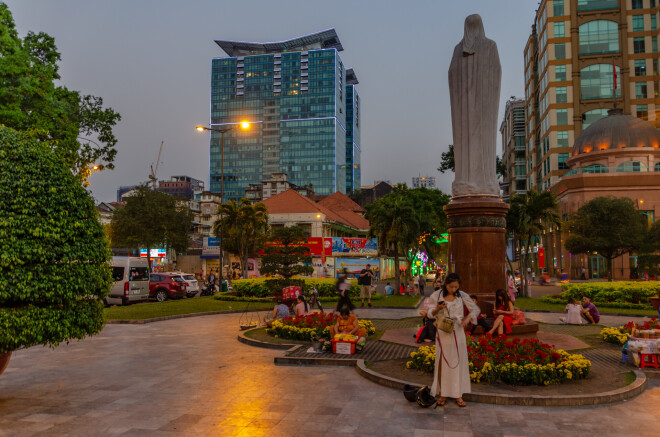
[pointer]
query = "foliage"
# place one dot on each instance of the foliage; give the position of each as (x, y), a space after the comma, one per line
(529, 216)
(31, 102)
(447, 163)
(619, 292)
(288, 256)
(512, 361)
(54, 256)
(243, 227)
(648, 260)
(151, 219)
(610, 226)
(315, 325)
(400, 220)
(264, 287)
(614, 335)
(543, 304)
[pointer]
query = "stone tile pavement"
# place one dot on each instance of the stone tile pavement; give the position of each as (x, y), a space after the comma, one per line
(605, 320)
(190, 377)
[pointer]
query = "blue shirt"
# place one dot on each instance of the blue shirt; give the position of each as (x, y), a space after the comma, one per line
(282, 311)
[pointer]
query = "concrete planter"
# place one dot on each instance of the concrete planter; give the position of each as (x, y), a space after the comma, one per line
(4, 361)
(655, 301)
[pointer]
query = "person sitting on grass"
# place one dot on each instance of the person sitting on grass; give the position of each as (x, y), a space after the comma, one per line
(348, 323)
(504, 312)
(589, 311)
(280, 311)
(481, 318)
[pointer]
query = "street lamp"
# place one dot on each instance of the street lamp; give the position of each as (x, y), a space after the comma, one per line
(244, 125)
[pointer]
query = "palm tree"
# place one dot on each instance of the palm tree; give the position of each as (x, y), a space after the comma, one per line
(392, 220)
(528, 217)
(244, 228)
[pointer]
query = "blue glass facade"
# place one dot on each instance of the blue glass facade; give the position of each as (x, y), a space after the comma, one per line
(353, 165)
(298, 103)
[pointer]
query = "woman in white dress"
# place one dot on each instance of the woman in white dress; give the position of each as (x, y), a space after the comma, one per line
(452, 370)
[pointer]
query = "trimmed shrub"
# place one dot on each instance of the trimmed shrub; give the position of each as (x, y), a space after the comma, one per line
(622, 294)
(54, 254)
(266, 287)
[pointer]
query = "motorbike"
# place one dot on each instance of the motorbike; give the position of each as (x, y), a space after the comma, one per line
(208, 289)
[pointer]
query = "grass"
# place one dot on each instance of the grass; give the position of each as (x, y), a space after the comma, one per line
(535, 304)
(151, 310)
(386, 301)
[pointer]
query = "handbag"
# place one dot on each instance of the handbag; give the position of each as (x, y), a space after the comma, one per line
(518, 318)
(443, 323)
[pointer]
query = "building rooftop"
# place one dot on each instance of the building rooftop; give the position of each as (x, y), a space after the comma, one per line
(325, 39)
(616, 131)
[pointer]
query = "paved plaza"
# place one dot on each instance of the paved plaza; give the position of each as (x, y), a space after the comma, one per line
(191, 377)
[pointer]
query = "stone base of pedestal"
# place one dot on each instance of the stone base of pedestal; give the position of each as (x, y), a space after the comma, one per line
(477, 245)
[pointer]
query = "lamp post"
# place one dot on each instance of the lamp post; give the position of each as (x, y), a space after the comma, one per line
(243, 125)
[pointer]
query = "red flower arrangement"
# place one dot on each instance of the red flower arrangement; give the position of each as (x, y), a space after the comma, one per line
(502, 349)
(650, 324)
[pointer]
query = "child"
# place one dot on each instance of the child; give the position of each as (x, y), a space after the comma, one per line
(388, 289)
(573, 311)
(481, 319)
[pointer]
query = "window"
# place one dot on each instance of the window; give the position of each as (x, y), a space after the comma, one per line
(638, 23)
(637, 4)
(562, 116)
(640, 67)
(558, 8)
(117, 273)
(597, 81)
(640, 90)
(654, 22)
(629, 167)
(139, 274)
(657, 167)
(639, 46)
(562, 139)
(560, 51)
(590, 5)
(595, 168)
(560, 73)
(560, 93)
(562, 157)
(592, 116)
(599, 36)
(559, 30)
(643, 111)
(656, 88)
(654, 44)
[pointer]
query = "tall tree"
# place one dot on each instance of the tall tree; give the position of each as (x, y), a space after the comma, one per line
(31, 102)
(244, 228)
(287, 256)
(151, 219)
(649, 252)
(528, 216)
(447, 163)
(610, 226)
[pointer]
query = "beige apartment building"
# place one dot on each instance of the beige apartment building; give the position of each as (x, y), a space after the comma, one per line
(570, 59)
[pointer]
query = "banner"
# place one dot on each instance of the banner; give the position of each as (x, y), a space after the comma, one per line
(317, 246)
(541, 258)
(211, 246)
(355, 266)
(155, 253)
(354, 246)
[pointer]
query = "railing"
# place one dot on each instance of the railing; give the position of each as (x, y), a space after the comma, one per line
(601, 170)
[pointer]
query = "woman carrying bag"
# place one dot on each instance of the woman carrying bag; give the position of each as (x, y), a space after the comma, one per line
(452, 371)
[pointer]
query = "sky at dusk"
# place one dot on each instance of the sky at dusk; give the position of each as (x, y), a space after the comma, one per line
(150, 60)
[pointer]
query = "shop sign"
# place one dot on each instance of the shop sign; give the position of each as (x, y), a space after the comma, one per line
(342, 246)
(211, 246)
(155, 253)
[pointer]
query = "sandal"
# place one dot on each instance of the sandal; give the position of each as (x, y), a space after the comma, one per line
(461, 403)
(441, 402)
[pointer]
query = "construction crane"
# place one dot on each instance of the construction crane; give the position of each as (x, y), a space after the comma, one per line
(153, 175)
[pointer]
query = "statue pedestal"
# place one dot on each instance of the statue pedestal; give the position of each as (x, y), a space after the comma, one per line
(477, 244)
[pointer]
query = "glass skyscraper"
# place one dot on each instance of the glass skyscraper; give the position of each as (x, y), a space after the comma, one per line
(304, 108)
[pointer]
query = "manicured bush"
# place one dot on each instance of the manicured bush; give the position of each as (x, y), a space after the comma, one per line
(54, 255)
(621, 294)
(264, 287)
(526, 362)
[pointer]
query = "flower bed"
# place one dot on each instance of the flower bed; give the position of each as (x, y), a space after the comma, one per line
(623, 333)
(620, 294)
(264, 287)
(316, 325)
(513, 361)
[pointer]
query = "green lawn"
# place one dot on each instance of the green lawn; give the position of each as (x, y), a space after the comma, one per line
(175, 307)
(535, 303)
(386, 301)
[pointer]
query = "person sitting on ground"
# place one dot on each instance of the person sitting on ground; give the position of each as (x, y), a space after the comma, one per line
(481, 318)
(504, 312)
(348, 323)
(573, 313)
(589, 311)
(280, 311)
(302, 307)
(388, 289)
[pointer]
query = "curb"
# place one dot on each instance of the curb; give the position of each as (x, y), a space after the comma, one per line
(252, 342)
(177, 316)
(609, 397)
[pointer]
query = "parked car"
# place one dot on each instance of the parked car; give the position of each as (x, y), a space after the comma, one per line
(165, 286)
(131, 280)
(192, 286)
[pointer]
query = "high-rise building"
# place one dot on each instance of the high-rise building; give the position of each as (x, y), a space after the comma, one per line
(424, 181)
(513, 149)
(181, 186)
(304, 108)
(577, 52)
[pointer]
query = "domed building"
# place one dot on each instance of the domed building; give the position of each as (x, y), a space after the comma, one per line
(618, 155)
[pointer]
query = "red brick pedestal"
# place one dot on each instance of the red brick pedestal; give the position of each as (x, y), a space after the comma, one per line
(477, 245)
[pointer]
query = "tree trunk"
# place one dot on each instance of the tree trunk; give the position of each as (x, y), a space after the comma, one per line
(527, 244)
(149, 257)
(397, 273)
(610, 266)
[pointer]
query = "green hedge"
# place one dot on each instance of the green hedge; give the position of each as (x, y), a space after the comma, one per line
(54, 254)
(231, 297)
(266, 287)
(621, 294)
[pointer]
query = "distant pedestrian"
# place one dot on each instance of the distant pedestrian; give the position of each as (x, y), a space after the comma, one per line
(421, 283)
(584, 276)
(416, 284)
(366, 275)
(342, 287)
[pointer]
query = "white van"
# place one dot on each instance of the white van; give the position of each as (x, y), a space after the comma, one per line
(131, 276)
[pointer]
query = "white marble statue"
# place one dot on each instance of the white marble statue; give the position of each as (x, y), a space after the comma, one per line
(474, 87)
